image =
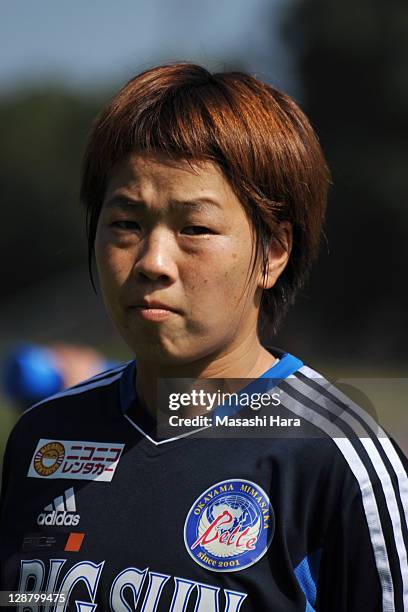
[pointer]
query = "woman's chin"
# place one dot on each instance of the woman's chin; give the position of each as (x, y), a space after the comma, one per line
(165, 352)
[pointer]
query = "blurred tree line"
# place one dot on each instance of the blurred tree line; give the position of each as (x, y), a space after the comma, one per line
(43, 135)
(351, 61)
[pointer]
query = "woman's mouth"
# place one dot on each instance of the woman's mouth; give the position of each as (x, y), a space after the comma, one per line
(153, 314)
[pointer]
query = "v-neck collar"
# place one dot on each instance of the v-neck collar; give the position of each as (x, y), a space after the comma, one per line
(145, 424)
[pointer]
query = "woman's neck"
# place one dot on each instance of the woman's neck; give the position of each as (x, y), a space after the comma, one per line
(248, 360)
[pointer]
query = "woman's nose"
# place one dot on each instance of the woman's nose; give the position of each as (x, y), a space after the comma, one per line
(156, 260)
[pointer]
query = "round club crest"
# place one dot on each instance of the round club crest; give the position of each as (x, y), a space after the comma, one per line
(230, 526)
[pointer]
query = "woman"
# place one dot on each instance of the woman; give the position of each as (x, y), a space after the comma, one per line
(205, 197)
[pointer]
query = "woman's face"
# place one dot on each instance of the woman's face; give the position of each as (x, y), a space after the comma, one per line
(173, 253)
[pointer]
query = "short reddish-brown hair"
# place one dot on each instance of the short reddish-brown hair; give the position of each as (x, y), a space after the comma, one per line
(257, 136)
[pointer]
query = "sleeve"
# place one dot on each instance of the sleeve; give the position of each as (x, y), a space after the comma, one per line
(3, 489)
(364, 559)
(5, 476)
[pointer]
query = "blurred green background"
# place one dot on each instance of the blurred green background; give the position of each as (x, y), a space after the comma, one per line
(345, 63)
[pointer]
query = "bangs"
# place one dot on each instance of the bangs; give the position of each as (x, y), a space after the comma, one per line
(184, 126)
(195, 121)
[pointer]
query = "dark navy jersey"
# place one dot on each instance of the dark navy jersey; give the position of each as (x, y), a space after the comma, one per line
(96, 507)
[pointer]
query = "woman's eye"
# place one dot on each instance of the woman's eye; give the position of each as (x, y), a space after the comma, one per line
(196, 230)
(125, 225)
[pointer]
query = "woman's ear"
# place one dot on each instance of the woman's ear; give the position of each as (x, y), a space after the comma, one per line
(278, 256)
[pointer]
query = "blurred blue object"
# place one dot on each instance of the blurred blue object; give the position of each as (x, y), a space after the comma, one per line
(30, 374)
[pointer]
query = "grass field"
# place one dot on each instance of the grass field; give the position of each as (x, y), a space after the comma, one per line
(8, 417)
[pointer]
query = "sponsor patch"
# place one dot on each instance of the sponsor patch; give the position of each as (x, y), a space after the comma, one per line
(39, 542)
(74, 459)
(230, 526)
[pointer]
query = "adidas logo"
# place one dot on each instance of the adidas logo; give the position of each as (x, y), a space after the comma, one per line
(61, 511)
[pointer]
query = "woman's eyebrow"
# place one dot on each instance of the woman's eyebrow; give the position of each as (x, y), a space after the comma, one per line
(128, 202)
(199, 203)
(122, 201)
